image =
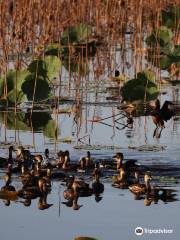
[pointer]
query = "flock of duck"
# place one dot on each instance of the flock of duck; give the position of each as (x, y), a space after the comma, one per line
(36, 173)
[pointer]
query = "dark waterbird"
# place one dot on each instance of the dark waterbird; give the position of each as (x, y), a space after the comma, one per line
(160, 114)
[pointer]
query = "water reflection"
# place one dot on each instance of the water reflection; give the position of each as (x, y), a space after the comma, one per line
(164, 195)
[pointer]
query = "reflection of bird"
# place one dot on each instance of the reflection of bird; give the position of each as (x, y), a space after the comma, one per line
(161, 114)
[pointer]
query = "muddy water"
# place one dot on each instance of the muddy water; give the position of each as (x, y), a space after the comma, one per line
(118, 213)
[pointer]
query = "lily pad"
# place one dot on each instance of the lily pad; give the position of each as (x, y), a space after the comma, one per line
(14, 82)
(75, 34)
(140, 88)
(164, 37)
(14, 96)
(170, 17)
(53, 49)
(42, 89)
(53, 64)
(51, 130)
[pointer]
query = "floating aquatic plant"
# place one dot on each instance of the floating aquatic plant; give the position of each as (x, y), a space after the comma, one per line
(141, 88)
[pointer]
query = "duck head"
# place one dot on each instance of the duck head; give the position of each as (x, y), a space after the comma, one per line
(119, 159)
(19, 150)
(46, 153)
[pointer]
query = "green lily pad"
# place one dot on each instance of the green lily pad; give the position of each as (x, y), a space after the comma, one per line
(51, 130)
(75, 34)
(14, 122)
(170, 17)
(42, 90)
(164, 37)
(38, 67)
(53, 49)
(140, 88)
(53, 64)
(14, 80)
(17, 97)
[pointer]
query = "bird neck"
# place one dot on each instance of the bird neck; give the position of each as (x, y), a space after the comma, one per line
(147, 184)
(10, 154)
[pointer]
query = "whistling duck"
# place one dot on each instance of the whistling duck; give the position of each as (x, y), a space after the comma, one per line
(66, 163)
(119, 157)
(4, 161)
(97, 186)
(7, 186)
(142, 188)
(77, 187)
(44, 183)
(121, 181)
(86, 162)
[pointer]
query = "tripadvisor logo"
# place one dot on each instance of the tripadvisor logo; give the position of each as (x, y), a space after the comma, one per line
(139, 231)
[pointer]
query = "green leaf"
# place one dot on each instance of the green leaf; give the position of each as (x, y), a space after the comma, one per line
(170, 17)
(138, 88)
(42, 90)
(76, 34)
(53, 49)
(164, 37)
(17, 97)
(15, 122)
(38, 67)
(52, 64)
(50, 130)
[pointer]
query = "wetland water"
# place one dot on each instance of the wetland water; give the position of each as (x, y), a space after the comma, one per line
(118, 213)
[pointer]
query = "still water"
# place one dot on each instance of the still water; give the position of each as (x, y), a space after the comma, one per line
(117, 214)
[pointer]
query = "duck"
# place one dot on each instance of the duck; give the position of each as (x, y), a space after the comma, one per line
(44, 183)
(119, 157)
(60, 159)
(7, 186)
(5, 161)
(121, 181)
(160, 114)
(46, 163)
(86, 162)
(140, 189)
(97, 186)
(77, 187)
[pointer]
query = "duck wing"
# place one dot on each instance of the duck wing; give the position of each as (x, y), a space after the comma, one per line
(137, 188)
(130, 163)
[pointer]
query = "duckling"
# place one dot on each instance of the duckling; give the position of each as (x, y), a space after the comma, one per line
(66, 163)
(26, 177)
(86, 162)
(45, 162)
(60, 159)
(44, 183)
(142, 188)
(38, 158)
(121, 181)
(4, 161)
(7, 186)
(77, 187)
(119, 157)
(19, 154)
(97, 186)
